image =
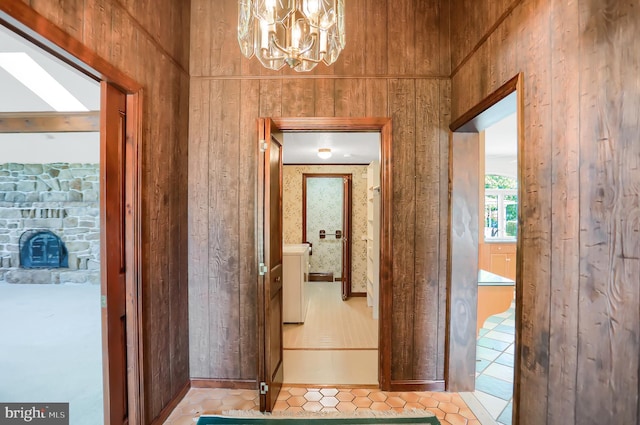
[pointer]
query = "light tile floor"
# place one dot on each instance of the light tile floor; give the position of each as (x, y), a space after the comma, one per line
(448, 407)
(494, 366)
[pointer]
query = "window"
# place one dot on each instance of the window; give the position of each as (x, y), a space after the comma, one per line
(500, 208)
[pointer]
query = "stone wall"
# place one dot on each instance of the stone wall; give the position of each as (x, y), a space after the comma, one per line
(60, 197)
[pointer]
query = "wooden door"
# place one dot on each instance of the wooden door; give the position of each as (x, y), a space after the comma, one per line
(113, 255)
(270, 254)
(346, 240)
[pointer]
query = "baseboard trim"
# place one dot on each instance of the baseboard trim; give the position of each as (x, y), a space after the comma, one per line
(358, 294)
(164, 413)
(417, 385)
(234, 384)
(321, 277)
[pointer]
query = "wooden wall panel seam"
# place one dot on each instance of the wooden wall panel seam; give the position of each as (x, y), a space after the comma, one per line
(485, 37)
(153, 40)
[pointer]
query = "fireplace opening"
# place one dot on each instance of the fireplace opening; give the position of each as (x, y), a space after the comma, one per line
(42, 249)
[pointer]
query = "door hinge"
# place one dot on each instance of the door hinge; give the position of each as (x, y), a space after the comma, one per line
(263, 388)
(262, 269)
(103, 301)
(263, 145)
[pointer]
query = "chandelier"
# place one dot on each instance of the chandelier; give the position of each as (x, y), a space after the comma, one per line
(299, 33)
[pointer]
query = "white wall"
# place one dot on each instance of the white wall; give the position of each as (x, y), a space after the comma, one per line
(45, 148)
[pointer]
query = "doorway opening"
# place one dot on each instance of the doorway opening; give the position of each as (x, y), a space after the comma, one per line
(273, 361)
(484, 283)
(337, 341)
(50, 318)
(102, 265)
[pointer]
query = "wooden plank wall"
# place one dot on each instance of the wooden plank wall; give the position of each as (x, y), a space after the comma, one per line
(396, 65)
(579, 260)
(149, 41)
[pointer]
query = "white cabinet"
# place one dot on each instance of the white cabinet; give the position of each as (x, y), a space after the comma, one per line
(295, 278)
(373, 236)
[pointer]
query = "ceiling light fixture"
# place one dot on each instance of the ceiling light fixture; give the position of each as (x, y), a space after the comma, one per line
(24, 69)
(299, 33)
(324, 153)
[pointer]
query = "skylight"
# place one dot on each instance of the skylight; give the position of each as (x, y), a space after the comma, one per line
(24, 69)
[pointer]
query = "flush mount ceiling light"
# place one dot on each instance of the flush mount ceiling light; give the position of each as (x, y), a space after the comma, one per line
(299, 33)
(324, 153)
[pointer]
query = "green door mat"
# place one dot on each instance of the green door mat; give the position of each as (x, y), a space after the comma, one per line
(317, 420)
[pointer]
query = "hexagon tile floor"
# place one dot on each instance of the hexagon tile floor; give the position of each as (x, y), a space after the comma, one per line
(448, 407)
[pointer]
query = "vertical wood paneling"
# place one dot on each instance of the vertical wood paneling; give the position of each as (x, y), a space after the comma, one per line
(342, 93)
(199, 323)
(401, 37)
(377, 94)
(579, 268)
(352, 58)
(375, 46)
(324, 95)
(297, 98)
(224, 339)
(123, 36)
(609, 302)
(248, 130)
(350, 98)
(201, 11)
(444, 103)
(270, 98)
(426, 18)
(67, 14)
(220, 42)
(402, 105)
(536, 211)
(179, 308)
(444, 36)
(427, 228)
(565, 225)
(97, 26)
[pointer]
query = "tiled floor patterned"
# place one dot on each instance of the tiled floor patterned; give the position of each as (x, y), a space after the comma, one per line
(494, 366)
(448, 407)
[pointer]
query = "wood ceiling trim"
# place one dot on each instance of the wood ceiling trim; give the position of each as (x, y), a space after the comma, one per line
(49, 122)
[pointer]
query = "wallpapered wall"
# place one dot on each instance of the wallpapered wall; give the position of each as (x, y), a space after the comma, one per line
(292, 211)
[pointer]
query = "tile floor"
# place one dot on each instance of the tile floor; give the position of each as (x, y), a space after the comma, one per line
(448, 407)
(494, 366)
(336, 345)
(327, 349)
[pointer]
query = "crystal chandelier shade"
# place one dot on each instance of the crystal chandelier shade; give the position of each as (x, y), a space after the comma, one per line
(298, 33)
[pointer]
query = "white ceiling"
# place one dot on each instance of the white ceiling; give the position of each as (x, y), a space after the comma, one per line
(18, 98)
(302, 148)
(32, 148)
(501, 147)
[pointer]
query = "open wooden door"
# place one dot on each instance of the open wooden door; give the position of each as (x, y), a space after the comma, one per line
(346, 239)
(113, 254)
(270, 257)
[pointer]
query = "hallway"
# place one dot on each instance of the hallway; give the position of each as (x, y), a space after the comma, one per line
(336, 345)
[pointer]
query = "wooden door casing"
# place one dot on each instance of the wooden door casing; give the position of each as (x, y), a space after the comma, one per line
(113, 253)
(346, 240)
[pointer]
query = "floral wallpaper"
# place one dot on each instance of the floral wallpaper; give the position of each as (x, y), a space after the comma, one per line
(327, 202)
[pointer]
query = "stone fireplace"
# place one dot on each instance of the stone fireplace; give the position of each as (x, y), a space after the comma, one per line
(42, 249)
(49, 223)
